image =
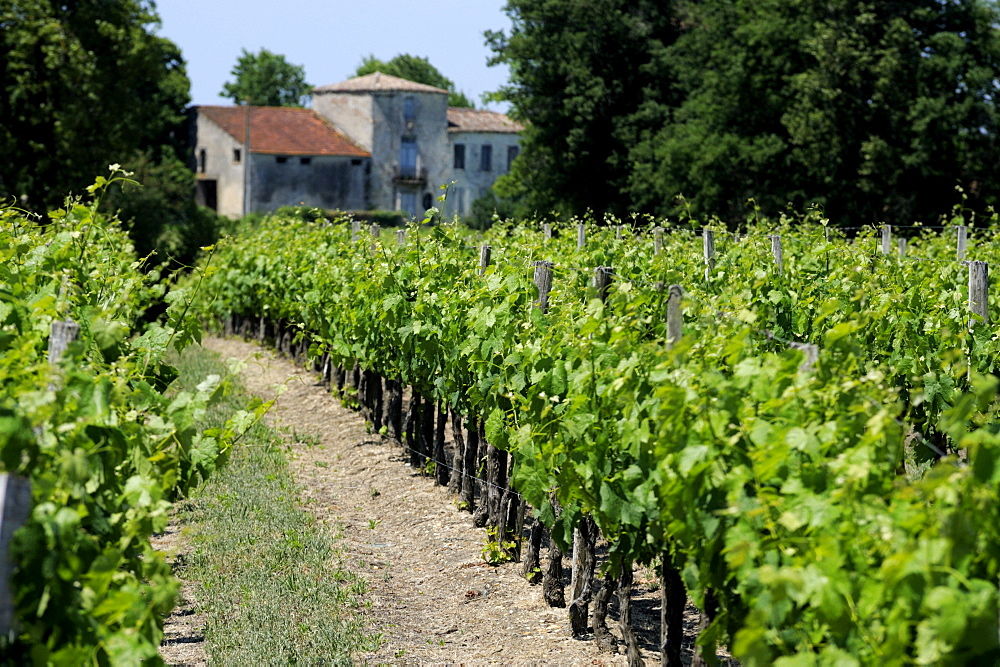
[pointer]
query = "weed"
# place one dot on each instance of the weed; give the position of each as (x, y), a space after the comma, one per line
(495, 550)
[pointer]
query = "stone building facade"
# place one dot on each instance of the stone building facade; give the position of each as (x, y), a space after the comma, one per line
(372, 142)
(483, 145)
(295, 157)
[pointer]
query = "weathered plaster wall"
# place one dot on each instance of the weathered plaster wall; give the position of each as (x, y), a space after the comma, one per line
(220, 166)
(351, 113)
(383, 138)
(473, 182)
(331, 182)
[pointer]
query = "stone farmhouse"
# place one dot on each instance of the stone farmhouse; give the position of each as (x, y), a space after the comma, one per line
(372, 142)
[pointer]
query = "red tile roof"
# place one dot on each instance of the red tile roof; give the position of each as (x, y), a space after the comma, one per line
(479, 120)
(378, 82)
(283, 130)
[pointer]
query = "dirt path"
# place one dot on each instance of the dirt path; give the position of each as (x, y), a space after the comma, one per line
(432, 597)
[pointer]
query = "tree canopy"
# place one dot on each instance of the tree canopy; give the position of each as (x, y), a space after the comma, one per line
(875, 111)
(83, 84)
(414, 68)
(267, 79)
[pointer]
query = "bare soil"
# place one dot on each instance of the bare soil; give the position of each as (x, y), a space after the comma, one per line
(432, 597)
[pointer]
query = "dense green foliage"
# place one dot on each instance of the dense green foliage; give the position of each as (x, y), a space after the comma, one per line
(86, 84)
(104, 442)
(83, 84)
(578, 75)
(266, 79)
(823, 507)
(873, 110)
(414, 68)
(158, 208)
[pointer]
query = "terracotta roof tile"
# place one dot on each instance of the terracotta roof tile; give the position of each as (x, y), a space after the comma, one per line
(378, 82)
(479, 120)
(283, 130)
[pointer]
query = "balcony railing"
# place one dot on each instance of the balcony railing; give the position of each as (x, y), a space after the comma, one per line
(410, 175)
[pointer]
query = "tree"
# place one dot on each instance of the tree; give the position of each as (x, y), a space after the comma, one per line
(414, 68)
(83, 84)
(267, 79)
(578, 74)
(160, 211)
(875, 111)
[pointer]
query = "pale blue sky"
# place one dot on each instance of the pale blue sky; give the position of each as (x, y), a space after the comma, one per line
(330, 37)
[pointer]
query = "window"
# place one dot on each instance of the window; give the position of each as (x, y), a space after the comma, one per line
(305, 160)
(408, 158)
(281, 159)
(428, 200)
(459, 156)
(486, 158)
(201, 160)
(237, 155)
(409, 110)
(512, 153)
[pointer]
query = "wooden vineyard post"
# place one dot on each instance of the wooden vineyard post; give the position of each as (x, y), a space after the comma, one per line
(355, 230)
(675, 315)
(708, 238)
(657, 241)
(602, 282)
(581, 235)
(552, 586)
(15, 507)
(962, 234)
(546, 231)
(543, 281)
(979, 284)
(902, 247)
(776, 251)
(485, 255)
(886, 239)
(585, 535)
(618, 232)
(401, 237)
(673, 597)
(375, 232)
(61, 334)
(15, 491)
